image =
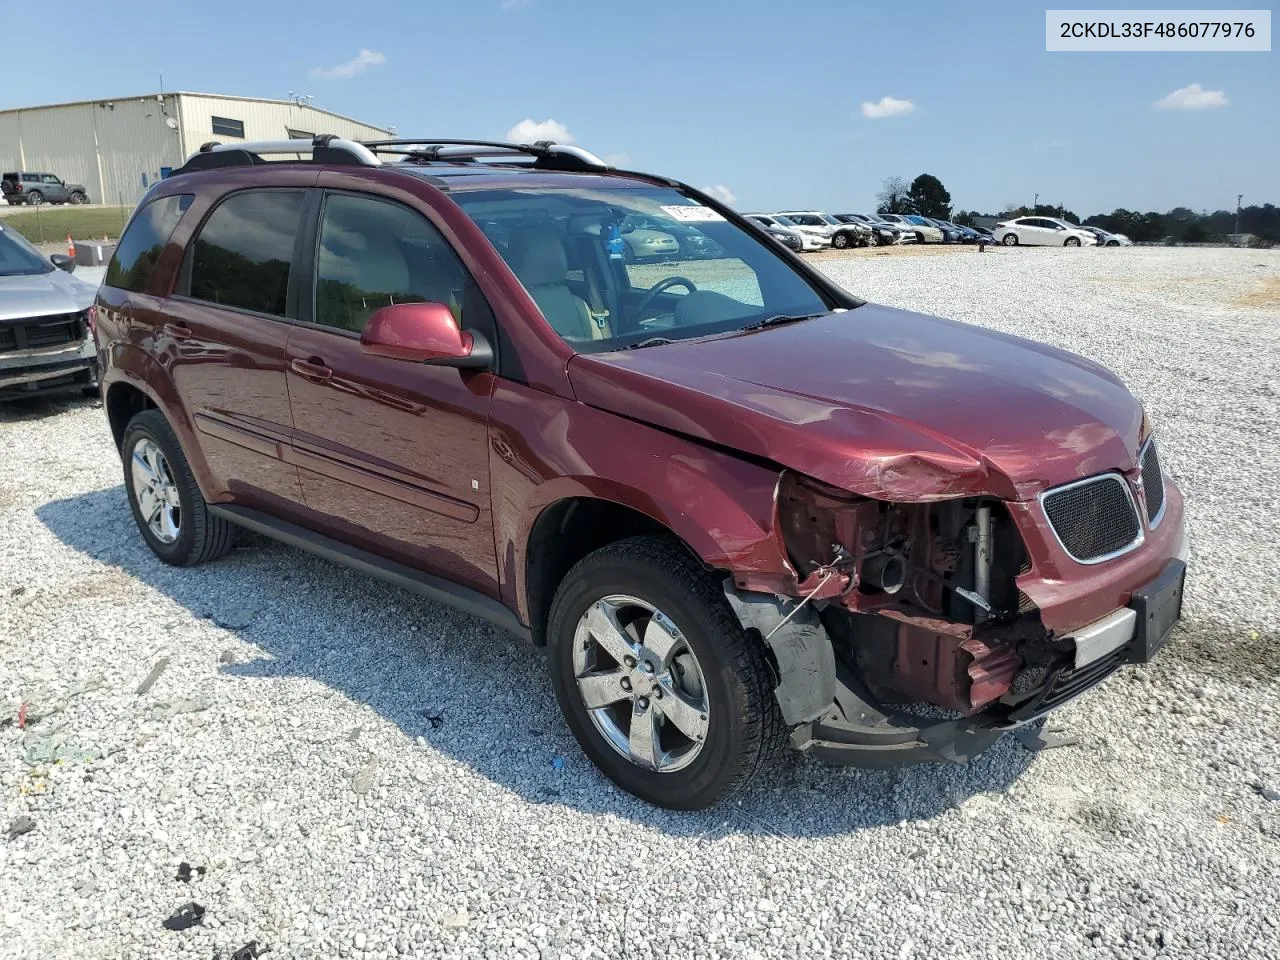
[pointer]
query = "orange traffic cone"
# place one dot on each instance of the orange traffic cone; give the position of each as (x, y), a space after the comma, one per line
(71, 247)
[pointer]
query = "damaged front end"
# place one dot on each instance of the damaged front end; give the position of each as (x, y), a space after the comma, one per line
(905, 637)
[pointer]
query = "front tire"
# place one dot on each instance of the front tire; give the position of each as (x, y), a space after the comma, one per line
(1009, 239)
(657, 679)
(78, 198)
(840, 241)
(167, 505)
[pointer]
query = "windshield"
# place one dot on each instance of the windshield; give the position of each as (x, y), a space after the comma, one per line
(806, 219)
(617, 267)
(827, 218)
(19, 258)
(786, 221)
(918, 221)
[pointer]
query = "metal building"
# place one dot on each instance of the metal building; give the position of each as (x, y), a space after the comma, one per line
(117, 148)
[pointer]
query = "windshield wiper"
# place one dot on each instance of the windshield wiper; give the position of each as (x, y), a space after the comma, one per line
(650, 342)
(779, 321)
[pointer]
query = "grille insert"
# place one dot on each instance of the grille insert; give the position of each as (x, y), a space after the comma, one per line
(41, 332)
(1068, 683)
(1094, 519)
(1152, 482)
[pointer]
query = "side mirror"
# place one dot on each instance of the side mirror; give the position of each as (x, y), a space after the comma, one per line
(63, 262)
(424, 333)
(628, 228)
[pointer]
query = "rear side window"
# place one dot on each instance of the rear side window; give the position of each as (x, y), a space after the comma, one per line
(143, 242)
(244, 252)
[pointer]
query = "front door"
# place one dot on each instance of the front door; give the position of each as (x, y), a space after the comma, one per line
(396, 452)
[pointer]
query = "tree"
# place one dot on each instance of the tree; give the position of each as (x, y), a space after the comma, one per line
(892, 197)
(929, 197)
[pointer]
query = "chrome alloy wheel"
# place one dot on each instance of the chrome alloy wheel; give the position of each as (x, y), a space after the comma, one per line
(155, 491)
(641, 683)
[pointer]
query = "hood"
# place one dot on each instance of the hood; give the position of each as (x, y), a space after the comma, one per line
(881, 402)
(43, 294)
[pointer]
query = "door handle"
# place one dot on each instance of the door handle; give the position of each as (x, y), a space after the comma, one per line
(313, 369)
(178, 330)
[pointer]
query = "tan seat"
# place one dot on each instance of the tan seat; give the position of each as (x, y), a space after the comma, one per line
(537, 257)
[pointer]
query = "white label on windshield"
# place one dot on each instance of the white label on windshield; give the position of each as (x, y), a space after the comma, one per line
(691, 214)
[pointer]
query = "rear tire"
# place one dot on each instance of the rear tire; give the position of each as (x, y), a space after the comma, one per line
(1009, 239)
(35, 198)
(1071, 242)
(178, 526)
(741, 728)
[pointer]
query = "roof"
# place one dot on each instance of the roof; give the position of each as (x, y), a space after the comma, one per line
(493, 176)
(191, 93)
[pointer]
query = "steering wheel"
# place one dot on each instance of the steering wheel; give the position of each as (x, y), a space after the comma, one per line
(662, 286)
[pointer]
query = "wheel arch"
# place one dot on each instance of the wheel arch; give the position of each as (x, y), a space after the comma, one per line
(133, 381)
(566, 530)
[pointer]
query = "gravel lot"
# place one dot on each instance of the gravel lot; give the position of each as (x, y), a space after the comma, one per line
(364, 774)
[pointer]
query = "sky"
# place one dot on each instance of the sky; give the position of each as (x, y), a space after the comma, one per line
(773, 105)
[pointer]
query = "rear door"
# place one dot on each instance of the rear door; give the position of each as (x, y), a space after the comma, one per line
(393, 455)
(223, 338)
(1042, 232)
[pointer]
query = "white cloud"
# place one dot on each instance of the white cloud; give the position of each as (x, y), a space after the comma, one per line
(616, 159)
(1192, 97)
(358, 64)
(886, 107)
(721, 193)
(1045, 146)
(531, 131)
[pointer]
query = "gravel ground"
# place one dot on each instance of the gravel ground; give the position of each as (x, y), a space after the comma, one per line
(361, 773)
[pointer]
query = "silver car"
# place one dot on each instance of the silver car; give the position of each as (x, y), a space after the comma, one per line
(46, 341)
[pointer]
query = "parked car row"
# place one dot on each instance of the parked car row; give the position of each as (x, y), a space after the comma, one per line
(805, 230)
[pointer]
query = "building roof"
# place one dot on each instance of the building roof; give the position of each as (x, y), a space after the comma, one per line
(192, 93)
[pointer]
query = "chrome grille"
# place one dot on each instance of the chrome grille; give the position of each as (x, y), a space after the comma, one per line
(1152, 482)
(1094, 519)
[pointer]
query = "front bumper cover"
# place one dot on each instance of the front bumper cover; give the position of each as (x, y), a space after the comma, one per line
(25, 372)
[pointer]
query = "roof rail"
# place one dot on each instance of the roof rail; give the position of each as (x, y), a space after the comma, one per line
(557, 154)
(325, 148)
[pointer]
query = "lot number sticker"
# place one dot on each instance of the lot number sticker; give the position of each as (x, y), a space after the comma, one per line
(691, 214)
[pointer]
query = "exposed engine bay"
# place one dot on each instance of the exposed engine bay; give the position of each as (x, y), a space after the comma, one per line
(919, 599)
(898, 605)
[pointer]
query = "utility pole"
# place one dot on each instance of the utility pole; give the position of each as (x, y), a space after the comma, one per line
(1239, 197)
(1035, 203)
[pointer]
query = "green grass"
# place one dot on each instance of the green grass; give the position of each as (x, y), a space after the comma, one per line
(48, 224)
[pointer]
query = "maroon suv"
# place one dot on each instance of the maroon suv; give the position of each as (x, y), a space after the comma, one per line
(739, 505)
